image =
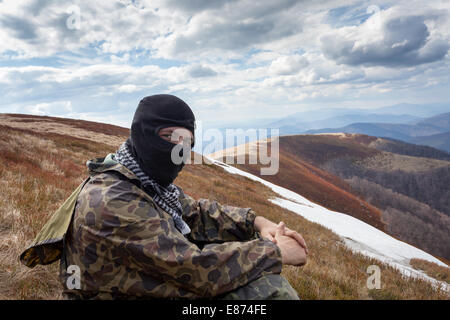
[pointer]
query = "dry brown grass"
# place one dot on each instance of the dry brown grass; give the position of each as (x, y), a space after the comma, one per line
(92, 131)
(432, 269)
(38, 171)
(388, 161)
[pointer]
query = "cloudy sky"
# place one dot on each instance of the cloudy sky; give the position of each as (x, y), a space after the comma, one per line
(228, 59)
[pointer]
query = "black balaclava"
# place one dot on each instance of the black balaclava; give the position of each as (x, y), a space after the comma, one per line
(152, 152)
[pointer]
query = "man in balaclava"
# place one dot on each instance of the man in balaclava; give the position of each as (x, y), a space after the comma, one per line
(150, 157)
(134, 234)
(153, 153)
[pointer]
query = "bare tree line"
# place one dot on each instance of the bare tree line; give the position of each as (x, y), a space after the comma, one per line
(410, 202)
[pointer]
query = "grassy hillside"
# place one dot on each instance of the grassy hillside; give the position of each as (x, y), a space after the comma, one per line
(299, 171)
(395, 186)
(39, 169)
(408, 149)
(386, 179)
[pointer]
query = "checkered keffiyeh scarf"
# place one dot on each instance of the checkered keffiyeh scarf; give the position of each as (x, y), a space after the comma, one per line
(166, 198)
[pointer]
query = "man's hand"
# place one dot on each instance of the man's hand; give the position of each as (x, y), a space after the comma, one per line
(291, 252)
(268, 230)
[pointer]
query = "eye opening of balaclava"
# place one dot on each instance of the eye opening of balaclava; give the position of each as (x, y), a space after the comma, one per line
(152, 152)
(158, 129)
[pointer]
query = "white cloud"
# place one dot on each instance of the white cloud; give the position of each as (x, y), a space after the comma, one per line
(128, 88)
(288, 64)
(392, 37)
(199, 71)
(220, 55)
(52, 108)
(40, 28)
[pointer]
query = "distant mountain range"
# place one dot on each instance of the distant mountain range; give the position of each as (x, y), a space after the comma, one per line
(406, 113)
(439, 141)
(401, 113)
(433, 131)
(294, 125)
(405, 121)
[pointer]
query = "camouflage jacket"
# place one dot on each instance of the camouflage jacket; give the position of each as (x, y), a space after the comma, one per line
(127, 247)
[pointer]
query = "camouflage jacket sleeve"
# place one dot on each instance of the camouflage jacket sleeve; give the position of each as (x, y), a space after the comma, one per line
(211, 221)
(124, 243)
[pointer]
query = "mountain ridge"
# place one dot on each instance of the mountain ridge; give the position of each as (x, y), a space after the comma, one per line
(344, 156)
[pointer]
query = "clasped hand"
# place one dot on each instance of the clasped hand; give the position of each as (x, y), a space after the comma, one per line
(292, 245)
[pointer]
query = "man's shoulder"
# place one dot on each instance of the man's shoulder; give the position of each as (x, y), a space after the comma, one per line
(110, 181)
(109, 164)
(111, 190)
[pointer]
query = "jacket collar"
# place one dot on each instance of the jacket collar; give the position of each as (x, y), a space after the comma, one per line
(109, 163)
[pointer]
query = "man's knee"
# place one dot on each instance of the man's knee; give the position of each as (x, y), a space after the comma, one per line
(268, 287)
